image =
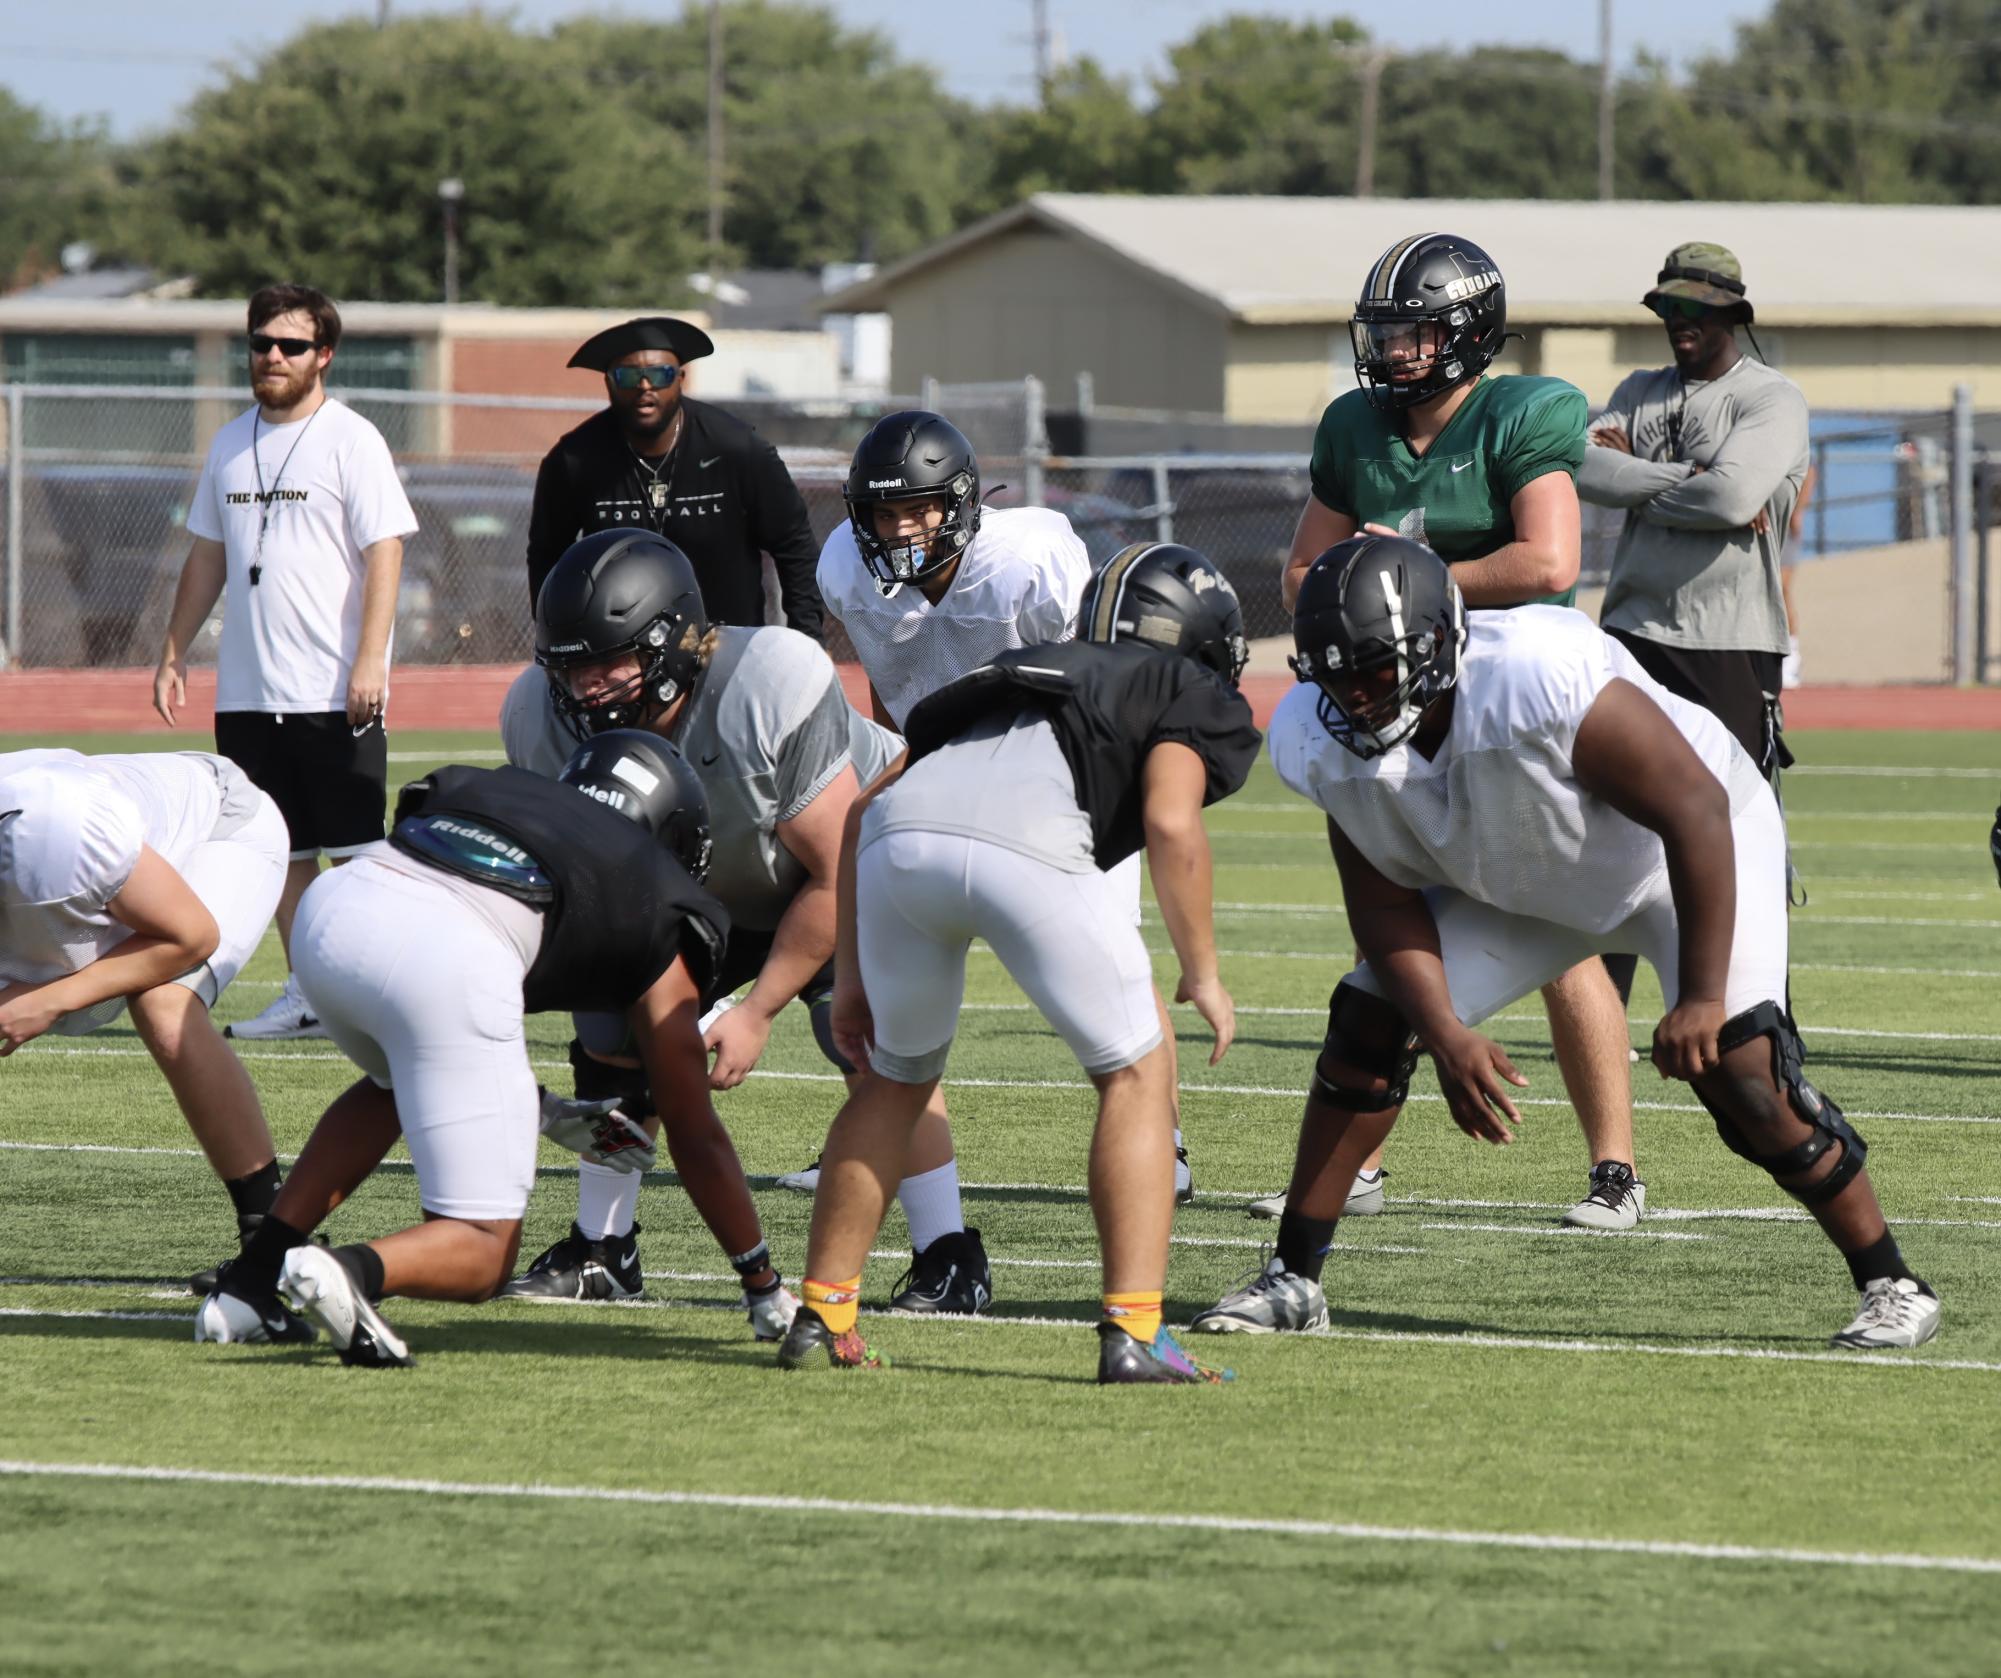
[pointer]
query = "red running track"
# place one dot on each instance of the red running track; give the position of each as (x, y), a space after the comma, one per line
(468, 696)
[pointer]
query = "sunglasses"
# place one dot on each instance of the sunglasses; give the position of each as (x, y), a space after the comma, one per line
(1682, 308)
(652, 378)
(262, 343)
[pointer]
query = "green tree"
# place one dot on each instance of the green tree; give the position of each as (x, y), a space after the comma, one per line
(1086, 135)
(57, 185)
(1494, 122)
(322, 161)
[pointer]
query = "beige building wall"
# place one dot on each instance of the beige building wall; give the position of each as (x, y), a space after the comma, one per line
(1284, 373)
(1035, 302)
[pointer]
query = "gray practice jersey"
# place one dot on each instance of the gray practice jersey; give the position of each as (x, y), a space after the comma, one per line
(767, 729)
(1708, 456)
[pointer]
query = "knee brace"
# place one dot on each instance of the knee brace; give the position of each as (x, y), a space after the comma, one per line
(1365, 1034)
(599, 1080)
(821, 1013)
(1768, 1019)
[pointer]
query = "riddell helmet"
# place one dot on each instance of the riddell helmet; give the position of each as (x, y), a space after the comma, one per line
(1171, 597)
(1370, 603)
(647, 780)
(612, 592)
(1435, 278)
(907, 455)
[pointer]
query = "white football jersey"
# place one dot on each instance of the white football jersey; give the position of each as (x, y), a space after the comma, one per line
(1018, 585)
(1498, 814)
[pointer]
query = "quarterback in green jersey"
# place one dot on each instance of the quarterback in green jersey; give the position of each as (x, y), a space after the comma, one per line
(1483, 470)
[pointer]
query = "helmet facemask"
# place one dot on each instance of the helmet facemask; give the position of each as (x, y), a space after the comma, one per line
(661, 648)
(909, 558)
(1425, 658)
(1388, 343)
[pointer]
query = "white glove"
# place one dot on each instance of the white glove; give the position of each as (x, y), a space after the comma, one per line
(771, 1313)
(598, 1132)
(709, 1019)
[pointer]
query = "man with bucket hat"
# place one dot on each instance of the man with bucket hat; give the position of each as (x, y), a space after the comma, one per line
(1707, 456)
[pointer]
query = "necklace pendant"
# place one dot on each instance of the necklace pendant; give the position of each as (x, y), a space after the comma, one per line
(657, 495)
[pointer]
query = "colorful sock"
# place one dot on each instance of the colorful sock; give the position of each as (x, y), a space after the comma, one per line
(1303, 1243)
(931, 1204)
(838, 1303)
(607, 1200)
(1137, 1313)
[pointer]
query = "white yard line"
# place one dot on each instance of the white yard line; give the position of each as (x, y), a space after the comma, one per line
(1663, 1549)
(1563, 1230)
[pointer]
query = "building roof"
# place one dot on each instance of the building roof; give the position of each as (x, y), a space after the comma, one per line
(1281, 261)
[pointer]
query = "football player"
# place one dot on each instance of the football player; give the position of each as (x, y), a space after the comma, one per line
(1483, 469)
(498, 893)
(143, 882)
(622, 640)
(1025, 784)
(1508, 794)
(929, 585)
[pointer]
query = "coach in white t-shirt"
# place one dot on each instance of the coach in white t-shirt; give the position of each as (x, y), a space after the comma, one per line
(298, 523)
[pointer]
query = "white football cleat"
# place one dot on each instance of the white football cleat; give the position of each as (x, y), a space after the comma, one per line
(290, 1015)
(1616, 1199)
(227, 1318)
(1365, 1199)
(803, 1181)
(1895, 1312)
(319, 1286)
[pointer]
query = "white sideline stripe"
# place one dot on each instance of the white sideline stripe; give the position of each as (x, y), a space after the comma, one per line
(1562, 1230)
(1894, 771)
(1676, 1549)
(103, 1316)
(1809, 1031)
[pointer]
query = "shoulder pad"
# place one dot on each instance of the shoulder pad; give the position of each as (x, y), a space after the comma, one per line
(1023, 676)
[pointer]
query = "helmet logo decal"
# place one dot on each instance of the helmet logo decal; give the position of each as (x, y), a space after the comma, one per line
(636, 775)
(885, 483)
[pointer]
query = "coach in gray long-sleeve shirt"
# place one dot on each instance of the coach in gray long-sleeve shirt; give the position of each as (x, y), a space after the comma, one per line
(1707, 457)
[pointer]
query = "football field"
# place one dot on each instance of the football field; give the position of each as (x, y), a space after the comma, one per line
(1520, 1449)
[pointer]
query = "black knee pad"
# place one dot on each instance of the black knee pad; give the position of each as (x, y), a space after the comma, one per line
(821, 1013)
(1768, 1019)
(1367, 1034)
(599, 1080)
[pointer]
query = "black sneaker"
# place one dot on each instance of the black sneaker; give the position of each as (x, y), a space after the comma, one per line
(1184, 1179)
(1126, 1362)
(950, 1275)
(579, 1268)
(809, 1343)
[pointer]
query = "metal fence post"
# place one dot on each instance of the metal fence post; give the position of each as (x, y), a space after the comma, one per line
(1963, 668)
(17, 489)
(1163, 503)
(1034, 440)
(927, 394)
(1983, 500)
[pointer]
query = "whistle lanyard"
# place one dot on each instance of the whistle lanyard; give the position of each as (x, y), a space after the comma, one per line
(264, 499)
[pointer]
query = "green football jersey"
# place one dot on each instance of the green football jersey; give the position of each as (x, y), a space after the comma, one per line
(1455, 497)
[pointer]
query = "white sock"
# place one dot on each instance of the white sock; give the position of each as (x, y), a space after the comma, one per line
(931, 1204)
(607, 1200)
(1177, 1136)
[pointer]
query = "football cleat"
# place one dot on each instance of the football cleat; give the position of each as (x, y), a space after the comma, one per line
(1184, 1179)
(1615, 1199)
(1126, 1362)
(1898, 1311)
(234, 1315)
(809, 1342)
(951, 1275)
(579, 1268)
(803, 1181)
(290, 1015)
(771, 1312)
(1271, 1300)
(319, 1286)
(1365, 1199)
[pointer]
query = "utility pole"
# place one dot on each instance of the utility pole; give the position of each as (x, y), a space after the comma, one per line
(381, 14)
(1605, 100)
(715, 141)
(451, 193)
(1039, 31)
(1365, 148)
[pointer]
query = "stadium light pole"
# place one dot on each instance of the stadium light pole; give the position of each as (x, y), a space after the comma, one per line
(715, 143)
(451, 192)
(1604, 99)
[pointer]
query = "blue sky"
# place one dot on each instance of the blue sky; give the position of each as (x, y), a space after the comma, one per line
(135, 62)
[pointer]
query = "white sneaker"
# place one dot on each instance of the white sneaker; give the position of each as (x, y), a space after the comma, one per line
(1271, 1300)
(1894, 1313)
(1184, 1179)
(1615, 1200)
(803, 1181)
(289, 1016)
(1789, 666)
(319, 1287)
(1365, 1199)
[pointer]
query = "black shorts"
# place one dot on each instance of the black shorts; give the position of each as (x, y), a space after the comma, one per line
(1739, 686)
(330, 785)
(744, 959)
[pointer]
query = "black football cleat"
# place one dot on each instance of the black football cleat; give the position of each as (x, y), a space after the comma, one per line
(579, 1268)
(810, 1344)
(1126, 1362)
(951, 1276)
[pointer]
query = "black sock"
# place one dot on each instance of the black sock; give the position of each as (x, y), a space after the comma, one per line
(254, 1195)
(1303, 1243)
(1872, 1264)
(264, 1251)
(363, 1265)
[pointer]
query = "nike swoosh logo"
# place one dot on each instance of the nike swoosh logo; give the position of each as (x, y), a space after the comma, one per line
(711, 758)
(706, 464)
(1462, 465)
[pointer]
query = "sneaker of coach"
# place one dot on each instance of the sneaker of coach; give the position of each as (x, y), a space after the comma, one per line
(234, 1315)
(290, 1015)
(1896, 1311)
(951, 1275)
(319, 1287)
(1271, 1300)
(1365, 1198)
(1126, 1362)
(1615, 1199)
(578, 1267)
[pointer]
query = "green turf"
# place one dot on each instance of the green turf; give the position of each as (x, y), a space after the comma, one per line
(1607, 1418)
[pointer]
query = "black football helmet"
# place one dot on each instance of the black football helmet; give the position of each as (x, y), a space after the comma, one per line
(647, 780)
(904, 456)
(1370, 603)
(1168, 596)
(620, 591)
(1435, 278)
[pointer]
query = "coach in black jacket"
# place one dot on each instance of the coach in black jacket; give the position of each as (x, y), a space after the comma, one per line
(698, 476)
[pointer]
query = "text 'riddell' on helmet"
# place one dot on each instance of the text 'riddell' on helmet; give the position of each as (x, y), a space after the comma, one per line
(1432, 314)
(910, 456)
(613, 592)
(1378, 629)
(1169, 596)
(647, 780)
